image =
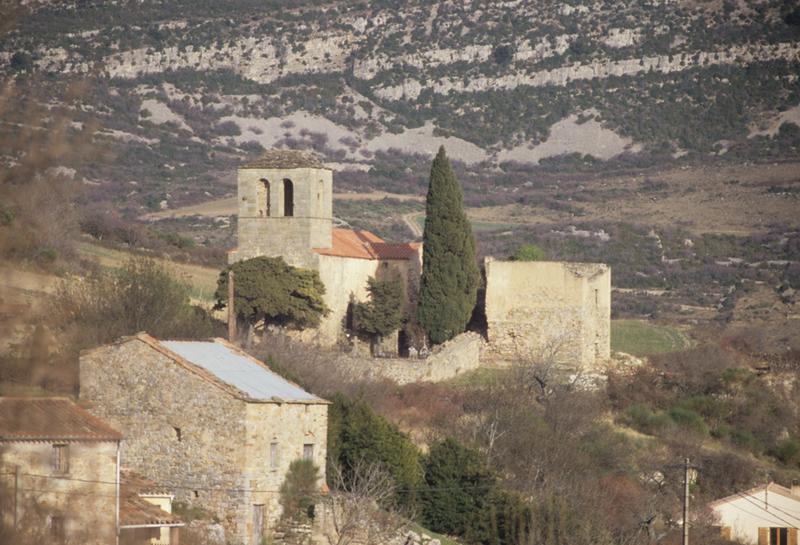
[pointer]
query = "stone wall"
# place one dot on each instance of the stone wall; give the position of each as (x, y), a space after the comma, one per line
(457, 356)
(86, 498)
(345, 280)
(183, 430)
(548, 309)
(266, 230)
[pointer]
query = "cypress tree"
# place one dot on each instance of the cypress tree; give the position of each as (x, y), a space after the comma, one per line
(449, 284)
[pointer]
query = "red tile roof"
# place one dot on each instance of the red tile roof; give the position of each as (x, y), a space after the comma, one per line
(135, 510)
(50, 418)
(366, 245)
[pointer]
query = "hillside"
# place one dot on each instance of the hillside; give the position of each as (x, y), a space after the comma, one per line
(184, 90)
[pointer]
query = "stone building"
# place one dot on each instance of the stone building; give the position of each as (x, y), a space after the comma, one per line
(545, 309)
(286, 210)
(205, 417)
(59, 469)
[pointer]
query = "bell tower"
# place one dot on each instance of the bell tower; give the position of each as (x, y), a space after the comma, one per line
(285, 208)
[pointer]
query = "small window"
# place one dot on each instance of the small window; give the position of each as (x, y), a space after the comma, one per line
(308, 451)
(57, 528)
(597, 298)
(274, 459)
(178, 434)
(61, 459)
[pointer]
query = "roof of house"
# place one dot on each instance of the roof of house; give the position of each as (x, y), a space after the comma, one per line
(231, 369)
(366, 245)
(773, 488)
(134, 510)
(50, 418)
(286, 159)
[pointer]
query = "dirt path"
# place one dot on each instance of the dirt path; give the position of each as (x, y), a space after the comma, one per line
(410, 220)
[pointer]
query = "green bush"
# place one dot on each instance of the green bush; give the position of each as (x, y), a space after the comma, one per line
(688, 419)
(299, 491)
(357, 434)
(787, 451)
(458, 482)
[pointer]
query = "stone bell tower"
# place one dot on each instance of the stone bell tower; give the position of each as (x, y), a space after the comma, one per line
(285, 208)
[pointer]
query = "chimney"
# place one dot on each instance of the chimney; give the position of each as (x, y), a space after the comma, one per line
(796, 489)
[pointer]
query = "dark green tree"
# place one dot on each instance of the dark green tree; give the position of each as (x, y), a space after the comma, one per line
(299, 491)
(357, 434)
(458, 483)
(383, 313)
(267, 288)
(450, 275)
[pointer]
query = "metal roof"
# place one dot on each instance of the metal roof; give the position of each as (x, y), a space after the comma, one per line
(239, 370)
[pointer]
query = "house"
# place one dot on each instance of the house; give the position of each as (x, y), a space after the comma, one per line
(209, 419)
(765, 515)
(59, 464)
(60, 469)
(146, 512)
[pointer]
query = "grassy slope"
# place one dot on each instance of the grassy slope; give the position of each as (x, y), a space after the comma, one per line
(640, 338)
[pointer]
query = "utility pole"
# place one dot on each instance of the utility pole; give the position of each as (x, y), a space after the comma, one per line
(686, 501)
(16, 496)
(231, 309)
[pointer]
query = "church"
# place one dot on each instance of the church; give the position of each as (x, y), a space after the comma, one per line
(286, 210)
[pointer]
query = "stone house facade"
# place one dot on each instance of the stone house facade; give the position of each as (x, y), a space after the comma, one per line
(59, 471)
(547, 309)
(205, 418)
(286, 210)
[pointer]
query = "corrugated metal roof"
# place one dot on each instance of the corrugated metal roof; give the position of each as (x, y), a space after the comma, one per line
(50, 418)
(239, 370)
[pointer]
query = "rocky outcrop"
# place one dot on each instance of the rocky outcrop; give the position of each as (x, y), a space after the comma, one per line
(411, 89)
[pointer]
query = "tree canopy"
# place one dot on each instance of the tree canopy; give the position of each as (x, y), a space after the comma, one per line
(383, 313)
(450, 275)
(140, 296)
(267, 288)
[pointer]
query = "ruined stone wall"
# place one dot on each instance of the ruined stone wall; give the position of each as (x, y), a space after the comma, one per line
(456, 356)
(179, 429)
(553, 310)
(290, 426)
(266, 230)
(85, 496)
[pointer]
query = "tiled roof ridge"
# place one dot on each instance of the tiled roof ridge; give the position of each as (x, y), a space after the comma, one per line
(286, 159)
(98, 429)
(363, 244)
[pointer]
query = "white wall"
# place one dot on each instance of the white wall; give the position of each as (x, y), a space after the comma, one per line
(754, 510)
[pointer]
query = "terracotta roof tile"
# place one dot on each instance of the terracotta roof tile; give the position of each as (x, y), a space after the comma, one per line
(284, 158)
(49, 418)
(135, 510)
(366, 245)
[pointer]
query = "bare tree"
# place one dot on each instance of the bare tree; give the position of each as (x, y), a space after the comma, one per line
(544, 370)
(359, 510)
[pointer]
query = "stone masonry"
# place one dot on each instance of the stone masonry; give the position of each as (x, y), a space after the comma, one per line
(547, 309)
(216, 447)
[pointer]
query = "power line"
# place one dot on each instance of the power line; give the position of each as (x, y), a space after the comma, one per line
(746, 497)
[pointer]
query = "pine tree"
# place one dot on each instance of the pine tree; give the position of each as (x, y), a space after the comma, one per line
(449, 285)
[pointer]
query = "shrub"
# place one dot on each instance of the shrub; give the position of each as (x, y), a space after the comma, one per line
(357, 435)
(299, 491)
